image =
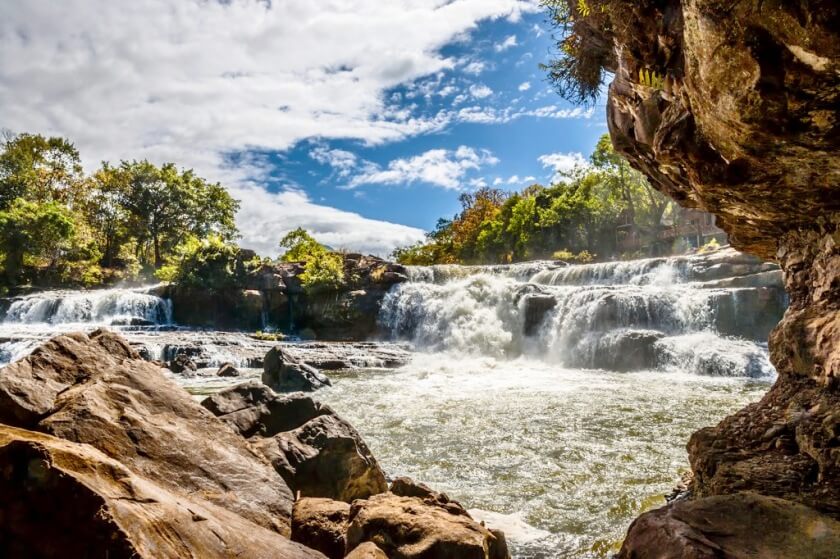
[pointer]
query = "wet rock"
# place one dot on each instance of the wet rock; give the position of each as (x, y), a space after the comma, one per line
(182, 364)
(536, 307)
(321, 524)
(228, 370)
(325, 457)
(367, 550)
(132, 321)
(406, 487)
(63, 499)
(407, 527)
(317, 453)
(253, 409)
(739, 525)
(619, 350)
(95, 389)
(284, 373)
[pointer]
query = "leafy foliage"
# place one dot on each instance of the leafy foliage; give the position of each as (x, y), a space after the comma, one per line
(651, 79)
(589, 214)
(300, 246)
(210, 262)
(324, 270)
(62, 226)
(584, 50)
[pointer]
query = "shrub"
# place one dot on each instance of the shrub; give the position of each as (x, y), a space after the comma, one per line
(300, 246)
(211, 263)
(323, 272)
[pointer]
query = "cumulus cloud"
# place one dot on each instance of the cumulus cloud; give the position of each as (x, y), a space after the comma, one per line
(265, 217)
(438, 167)
(475, 67)
(509, 42)
(342, 161)
(480, 91)
(562, 163)
(194, 81)
(524, 86)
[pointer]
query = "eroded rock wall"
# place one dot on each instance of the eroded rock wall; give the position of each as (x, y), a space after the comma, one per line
(731, 107)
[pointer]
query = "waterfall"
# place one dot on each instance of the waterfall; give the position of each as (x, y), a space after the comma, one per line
(654, 314)
(114, 307)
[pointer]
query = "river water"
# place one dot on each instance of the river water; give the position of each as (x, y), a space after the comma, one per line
(554, 402)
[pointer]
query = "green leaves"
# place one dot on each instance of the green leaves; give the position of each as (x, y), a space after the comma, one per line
(651, 79)
(122, 217)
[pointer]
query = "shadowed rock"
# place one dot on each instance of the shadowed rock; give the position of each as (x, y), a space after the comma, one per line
(95, 389)
(317, 453)
(732, 526)
(321, 524)
(63, 499)
(285, 373)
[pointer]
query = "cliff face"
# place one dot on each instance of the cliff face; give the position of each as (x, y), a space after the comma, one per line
(732, 107)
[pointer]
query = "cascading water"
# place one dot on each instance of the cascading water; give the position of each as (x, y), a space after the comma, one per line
(660, 314)
(556, 400)
(28, 320)
(107, 306)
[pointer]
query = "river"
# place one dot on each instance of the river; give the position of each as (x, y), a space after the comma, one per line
(554, 402)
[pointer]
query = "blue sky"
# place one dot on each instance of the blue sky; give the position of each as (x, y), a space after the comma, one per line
(360, 120)
(497, 74)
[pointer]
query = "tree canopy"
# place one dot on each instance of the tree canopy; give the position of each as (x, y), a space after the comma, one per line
(59, 225)
(589, 212)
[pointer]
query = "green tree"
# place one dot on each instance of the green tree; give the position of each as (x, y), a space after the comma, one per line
(211, 262)
(165, 206)
(34, 232)
(300, 246)
(39, 169)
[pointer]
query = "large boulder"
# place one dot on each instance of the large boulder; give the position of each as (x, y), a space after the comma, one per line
(401, 527)
(253, 409)
(97, 390)
(325, 457)
(316, 451)
(408, 528)
(64, 499)
(285, 373)
(321, 524)
(732, 526)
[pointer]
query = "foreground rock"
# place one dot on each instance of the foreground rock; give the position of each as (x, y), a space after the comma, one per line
(285, 373)
(64, 499)
(762, 153)
(403, 527)
(96, 390)
(732, 526)
(317, 453)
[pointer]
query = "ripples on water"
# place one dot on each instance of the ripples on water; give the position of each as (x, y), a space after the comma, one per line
(565, 458)
(515, 423)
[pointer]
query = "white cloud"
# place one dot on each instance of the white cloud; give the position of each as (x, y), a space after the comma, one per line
(524, 86)
(474, 68)
(341, 160)
(509, 42)
(514, 179)
(266, 217)
(439, 167)
(562, 163)
(191, 80)
(480, 91)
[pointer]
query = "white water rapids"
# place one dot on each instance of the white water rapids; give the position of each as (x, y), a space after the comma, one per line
(553, 401)
(514, 403)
